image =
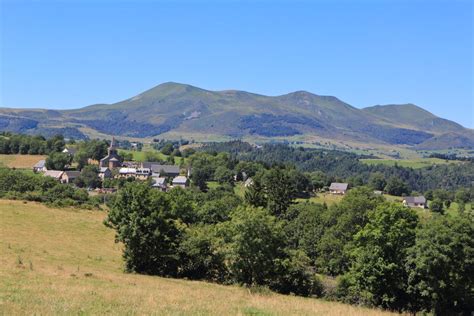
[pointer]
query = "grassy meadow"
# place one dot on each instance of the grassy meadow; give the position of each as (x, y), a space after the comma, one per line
(414, 163)
(141, 155)
(65, 261)
(327, 198)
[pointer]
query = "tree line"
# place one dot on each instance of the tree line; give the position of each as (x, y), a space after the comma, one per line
(30, 145)
(383, 254)
(339, 165)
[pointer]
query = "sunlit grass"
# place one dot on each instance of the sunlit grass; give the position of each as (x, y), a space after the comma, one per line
(322, 198)
(415, 163)
(20, 161)
(65, 261)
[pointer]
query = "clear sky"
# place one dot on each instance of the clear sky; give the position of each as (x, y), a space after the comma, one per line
(67, 54)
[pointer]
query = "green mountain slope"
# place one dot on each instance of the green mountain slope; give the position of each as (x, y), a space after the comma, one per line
(414, 117)
(182, 109)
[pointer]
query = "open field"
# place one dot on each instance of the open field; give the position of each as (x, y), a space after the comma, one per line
(239, 189)
(409, 163)
(141, 155)
(64, 261)
(324, 198)
(20, 161)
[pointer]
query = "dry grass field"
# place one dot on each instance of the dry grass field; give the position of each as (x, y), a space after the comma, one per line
(20, 161)
(64, 261)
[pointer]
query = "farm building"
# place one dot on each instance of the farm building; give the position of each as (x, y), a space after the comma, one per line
(105, 173)
(338, 188)
(69, 176)
(127, 172)
(162, 170)
(40, 166)
(159, 183)
(55, 174)
(415, 201)
(180, 181)
(248, 182)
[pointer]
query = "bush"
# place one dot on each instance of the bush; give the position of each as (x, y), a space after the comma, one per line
(296, 276)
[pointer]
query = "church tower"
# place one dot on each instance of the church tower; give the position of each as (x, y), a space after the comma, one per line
(112, 160)
(112, 151)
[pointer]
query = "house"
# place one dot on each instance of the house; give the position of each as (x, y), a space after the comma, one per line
(55, 174)
(138, 173)
(338, 188)
(40, 166)
(248, 182)
(69, 176)
(127, 172)
(105, 173)
(143, 173)
(159, 183)
(162, 170)
(112, 160)
(180, 181)
(415, 201)
(70, 151)
(134, 146)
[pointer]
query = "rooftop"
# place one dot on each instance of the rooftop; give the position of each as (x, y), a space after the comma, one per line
(173, 169)
(336, 186)
(415, 199)
(127, 170)
(53, 173)
(180, 180)
(40, 164)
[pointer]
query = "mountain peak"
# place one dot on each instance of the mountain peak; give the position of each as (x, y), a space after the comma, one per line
(183, 109)
(167, 89)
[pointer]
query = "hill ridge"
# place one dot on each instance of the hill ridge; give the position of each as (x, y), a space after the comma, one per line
(175, 109)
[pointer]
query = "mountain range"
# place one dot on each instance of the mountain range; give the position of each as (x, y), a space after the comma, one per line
(172, 110)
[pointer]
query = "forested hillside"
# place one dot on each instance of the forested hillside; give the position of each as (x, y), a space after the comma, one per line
(346, 166)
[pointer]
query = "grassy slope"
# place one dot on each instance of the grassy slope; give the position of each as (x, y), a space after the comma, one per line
(64, 261)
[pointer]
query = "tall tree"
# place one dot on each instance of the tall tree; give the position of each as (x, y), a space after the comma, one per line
(378, 276)
(144, 223)
(441, 266)
(280, 190)
(57, 161)
(255, 240)
(341, 223)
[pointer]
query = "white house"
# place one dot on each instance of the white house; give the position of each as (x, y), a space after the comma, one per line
(40, 166)
(180, 181)
(159, 183)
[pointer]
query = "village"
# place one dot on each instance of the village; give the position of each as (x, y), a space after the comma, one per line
(164, 177)
(112, 166)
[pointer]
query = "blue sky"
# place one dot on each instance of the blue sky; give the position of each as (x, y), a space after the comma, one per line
(67, 54)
